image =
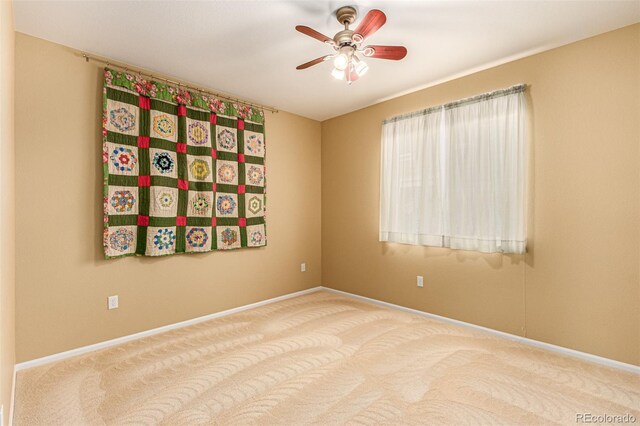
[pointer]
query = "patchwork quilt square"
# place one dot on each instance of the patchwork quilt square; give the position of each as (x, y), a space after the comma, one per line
(253, 143)
(123, 200)
(254, 175)
(226, 205)
(121, 159)
(199, 168)
(256, 236)
(122, 117)
(161, 240)
(120, 240)
(164, 125)
(163, 163)
(184, 172)
(228, 237)
(198, 238)
(227, 172)
(200, 203)
(163, 201)
(254, 205)
(227, 139)
(198, 133)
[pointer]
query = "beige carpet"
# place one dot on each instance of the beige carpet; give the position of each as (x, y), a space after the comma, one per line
(321, 359)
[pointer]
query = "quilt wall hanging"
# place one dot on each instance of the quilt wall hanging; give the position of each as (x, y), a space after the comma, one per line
(184, 172)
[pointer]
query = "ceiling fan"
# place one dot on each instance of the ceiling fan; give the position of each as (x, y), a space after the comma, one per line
(347, 44)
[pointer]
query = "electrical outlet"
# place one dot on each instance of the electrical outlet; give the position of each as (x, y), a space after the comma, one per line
(112, 302)
(420, 281)
(303, 267)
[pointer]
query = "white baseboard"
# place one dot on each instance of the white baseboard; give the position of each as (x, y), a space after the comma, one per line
(547, 346)
(13, 396)
(119, 340)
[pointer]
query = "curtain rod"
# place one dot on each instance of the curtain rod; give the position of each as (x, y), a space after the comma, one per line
(486, 96)
(482, 97)
(133, 69)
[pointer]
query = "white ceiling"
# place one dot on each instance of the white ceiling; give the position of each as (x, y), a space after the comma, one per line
(250, 48)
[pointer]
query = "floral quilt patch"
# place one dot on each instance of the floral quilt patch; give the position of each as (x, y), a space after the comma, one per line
(183, 172)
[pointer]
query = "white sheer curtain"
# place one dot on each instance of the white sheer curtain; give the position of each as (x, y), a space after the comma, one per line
(411, 186)
(455, 176)
(486, 154)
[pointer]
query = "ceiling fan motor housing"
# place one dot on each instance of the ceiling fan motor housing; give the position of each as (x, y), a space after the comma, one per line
(346, 15)
(344, 38)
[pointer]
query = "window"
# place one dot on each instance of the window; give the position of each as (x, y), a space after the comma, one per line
(455, 175)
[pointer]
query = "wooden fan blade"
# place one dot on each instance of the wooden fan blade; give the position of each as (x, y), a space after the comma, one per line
(313, 33)
(371, 23)
(313, 62)
(394, 53)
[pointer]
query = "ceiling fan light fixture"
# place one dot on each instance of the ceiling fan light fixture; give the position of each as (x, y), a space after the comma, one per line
(361, 68)
(346, 44)
(341, 61)
(338, 74)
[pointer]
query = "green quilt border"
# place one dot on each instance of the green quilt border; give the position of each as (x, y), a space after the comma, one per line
(169, 93)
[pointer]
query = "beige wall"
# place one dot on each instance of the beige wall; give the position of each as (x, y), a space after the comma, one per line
(579, 284)
(7, 207)
(63, 281)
